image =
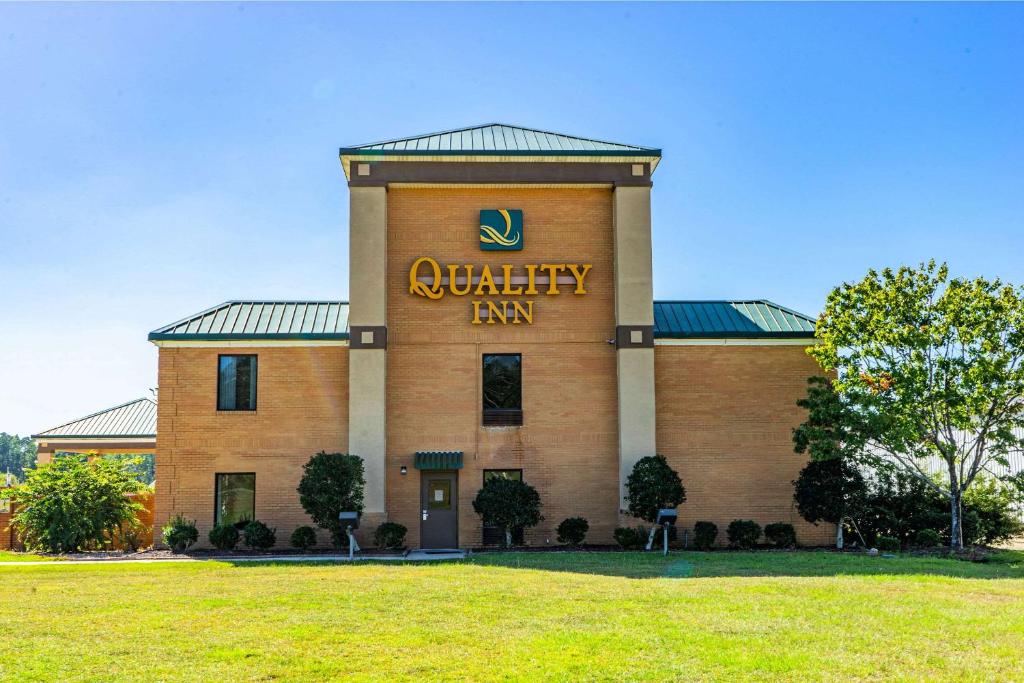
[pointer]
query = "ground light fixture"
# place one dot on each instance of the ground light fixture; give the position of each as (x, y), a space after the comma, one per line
(350, 520)
(666, 518)
(403, 470)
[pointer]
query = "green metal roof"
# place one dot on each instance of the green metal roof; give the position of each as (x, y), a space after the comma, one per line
(722, 319)
(135, 419)
(500, 140)
(261, 320)
(438, 460)
(329, 320)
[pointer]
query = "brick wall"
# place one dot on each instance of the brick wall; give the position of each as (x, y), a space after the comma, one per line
(725, 418)
(567, 446)
(302, 408)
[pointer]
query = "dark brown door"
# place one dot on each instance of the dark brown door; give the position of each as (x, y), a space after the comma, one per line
(439, 510)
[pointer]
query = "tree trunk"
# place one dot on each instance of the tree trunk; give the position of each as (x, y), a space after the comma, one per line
(508, 537)
(839, 535)
(956, 530)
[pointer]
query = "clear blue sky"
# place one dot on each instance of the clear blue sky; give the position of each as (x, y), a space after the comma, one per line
(158, 159)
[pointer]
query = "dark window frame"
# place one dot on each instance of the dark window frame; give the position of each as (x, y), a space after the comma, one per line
(491, 535)
(501, 417)
(216, 493)
(255, 387)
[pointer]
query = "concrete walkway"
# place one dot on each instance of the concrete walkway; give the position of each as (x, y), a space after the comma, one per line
(412, 556)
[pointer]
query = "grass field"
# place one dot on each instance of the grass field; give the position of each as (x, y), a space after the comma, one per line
(7, 556)
(580, 616)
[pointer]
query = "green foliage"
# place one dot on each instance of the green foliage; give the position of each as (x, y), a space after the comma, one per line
(993, 504)
(926, 366)
(704, 535)
(259, 536)
(332, 483)
(900, 505)
(780, 534)
(927, 538)
(180, 534)
(224, 537)
(509, 504)
(390, 536)
(72, 504)
(631, 538)
(573, 531)
(304, 538)
(651, 486)
(743, 533)
(17, 455)
(829, 490)
(888, 544)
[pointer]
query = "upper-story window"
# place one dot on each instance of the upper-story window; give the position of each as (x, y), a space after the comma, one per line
(503, 389)
(236, 383)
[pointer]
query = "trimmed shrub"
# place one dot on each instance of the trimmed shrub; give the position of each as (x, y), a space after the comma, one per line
(631, 538)
(304, 538)
(390, 535)
(573, 530)
(259, 536)
(927, 538)
(889, 544)
(224, 537)
(743, 533)
(509, 504)
(332, 483)
(180, 534)
(704, 535)
(781, 535)
(651, 486)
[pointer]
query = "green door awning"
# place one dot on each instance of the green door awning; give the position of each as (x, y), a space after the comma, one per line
(438, 460)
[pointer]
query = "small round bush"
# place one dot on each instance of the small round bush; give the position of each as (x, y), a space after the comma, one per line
(781, 535)
(630, 538)
(573, 530)
(704, 535)
(927, 538)
(304, 538)
(390, 536)
(743, 533)
(259, 536)
(180, 534)
(224, 537)
(888, 544)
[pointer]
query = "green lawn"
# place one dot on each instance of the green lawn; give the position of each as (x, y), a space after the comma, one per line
(589, 616)
(7, 556)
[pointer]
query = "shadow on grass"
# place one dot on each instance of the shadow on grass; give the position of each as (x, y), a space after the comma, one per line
(638, 565)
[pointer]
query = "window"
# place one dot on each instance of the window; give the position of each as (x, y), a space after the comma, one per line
(503, 390)
(236, 383)
(235, 498)
(492, 534)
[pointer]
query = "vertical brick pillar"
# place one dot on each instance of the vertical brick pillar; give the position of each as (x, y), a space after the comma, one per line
(367, 395)
(634, 333)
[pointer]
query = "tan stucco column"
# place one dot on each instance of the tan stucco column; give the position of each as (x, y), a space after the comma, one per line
(634, 333)
(367, 374)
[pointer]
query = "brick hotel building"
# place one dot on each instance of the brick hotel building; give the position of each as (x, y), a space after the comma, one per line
(500, 322)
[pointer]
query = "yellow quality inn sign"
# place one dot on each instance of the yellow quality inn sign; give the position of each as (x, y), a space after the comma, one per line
(432, 280)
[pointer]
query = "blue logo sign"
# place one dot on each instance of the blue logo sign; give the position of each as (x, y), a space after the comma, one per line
(501, 229)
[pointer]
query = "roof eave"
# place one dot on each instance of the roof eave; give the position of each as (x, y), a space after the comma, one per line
(336, 336)
(733, 335)
(653, 156)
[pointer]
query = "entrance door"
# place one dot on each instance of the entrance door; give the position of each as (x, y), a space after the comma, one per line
(440, 509)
